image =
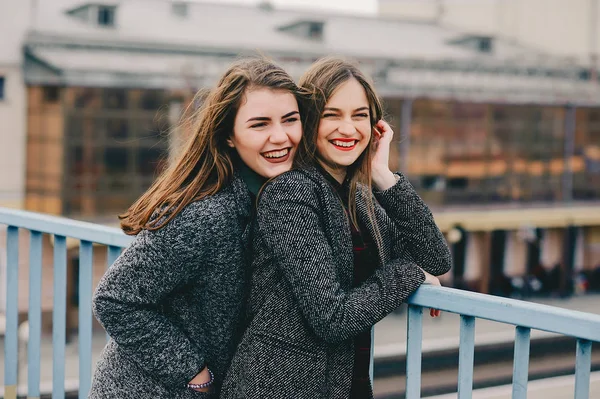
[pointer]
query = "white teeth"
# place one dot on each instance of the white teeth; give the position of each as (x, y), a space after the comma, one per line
(277, 154)
(343, 143)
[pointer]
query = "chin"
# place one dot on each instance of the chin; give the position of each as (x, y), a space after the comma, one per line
(273, 172)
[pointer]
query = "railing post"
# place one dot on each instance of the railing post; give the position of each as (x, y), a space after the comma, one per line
(35, 316)
(583, 362)
(85, 317)
(11, 341)
(413, 351)
(59, 312)
(466, 352)
(521, 363)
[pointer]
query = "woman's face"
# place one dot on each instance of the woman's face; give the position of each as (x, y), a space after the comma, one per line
(345, 128)
(267, 130)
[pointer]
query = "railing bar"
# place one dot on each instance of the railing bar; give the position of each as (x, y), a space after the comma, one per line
(62, 226)
(11, 341)
(413, 351)
(85, 317)
(466, 353)
(111, 256)
(583, 364)
(510, 311)
(35, 315)
(521, 362)
(59, 312)
(371, 363)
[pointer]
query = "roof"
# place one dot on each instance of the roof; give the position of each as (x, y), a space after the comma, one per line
(150, 46)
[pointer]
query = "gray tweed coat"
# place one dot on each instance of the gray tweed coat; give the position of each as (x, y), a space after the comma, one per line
(303, 311)
(172, 301)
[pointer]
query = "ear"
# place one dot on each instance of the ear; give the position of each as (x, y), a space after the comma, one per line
(230, 143)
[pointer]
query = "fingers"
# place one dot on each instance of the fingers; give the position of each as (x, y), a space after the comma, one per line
(435, 312)
(383, 129)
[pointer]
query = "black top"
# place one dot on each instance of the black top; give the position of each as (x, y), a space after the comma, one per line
(364, 267)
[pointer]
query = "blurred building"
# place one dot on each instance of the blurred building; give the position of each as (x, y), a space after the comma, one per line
(568, 29)
(500, 138)
(15, 19)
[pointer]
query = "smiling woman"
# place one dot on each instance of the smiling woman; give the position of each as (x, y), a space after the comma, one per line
(267, 130)
(172, 303)
(329, 260)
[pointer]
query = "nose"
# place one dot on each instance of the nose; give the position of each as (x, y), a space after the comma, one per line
(346, 127)
(278, 134)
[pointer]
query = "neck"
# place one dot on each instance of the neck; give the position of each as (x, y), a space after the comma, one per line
(253, 180)
(338, 172)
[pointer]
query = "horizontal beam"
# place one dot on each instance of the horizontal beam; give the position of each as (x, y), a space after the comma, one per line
(64, 227)
(511, 311)
(514, 219)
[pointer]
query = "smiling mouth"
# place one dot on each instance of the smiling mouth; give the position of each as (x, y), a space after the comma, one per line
(277, 156)
(344, 144)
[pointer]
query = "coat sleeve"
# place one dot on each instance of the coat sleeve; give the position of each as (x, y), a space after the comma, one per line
(418, 233)
(127, 301)
(289, 223)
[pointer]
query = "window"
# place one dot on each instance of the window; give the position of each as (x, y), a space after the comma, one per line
(485, 44)
(51, 94)
(306, 29)
(180, 9)
(1, 88)
(315, 30)
(106, 16)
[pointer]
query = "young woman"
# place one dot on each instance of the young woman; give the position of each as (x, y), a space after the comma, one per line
(172, 301)
(330, 260)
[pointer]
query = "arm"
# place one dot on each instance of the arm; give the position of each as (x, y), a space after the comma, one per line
(417, 229)
(128, 299)
(289, 223)
(418, 233)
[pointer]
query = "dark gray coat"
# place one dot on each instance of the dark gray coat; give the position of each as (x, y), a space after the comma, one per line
(172, 301)
(303, 311)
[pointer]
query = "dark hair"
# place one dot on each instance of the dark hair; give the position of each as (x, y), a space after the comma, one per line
(206, 163)
(320, 81)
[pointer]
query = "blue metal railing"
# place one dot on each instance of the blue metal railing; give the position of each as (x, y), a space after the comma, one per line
(523, 315)
(60, 228)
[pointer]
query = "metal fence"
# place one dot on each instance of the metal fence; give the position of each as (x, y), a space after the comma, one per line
(523, 315)
(61, 229)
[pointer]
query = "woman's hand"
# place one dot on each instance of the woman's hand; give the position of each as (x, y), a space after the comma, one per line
(382, 176)
(201, 378)
(432, 280)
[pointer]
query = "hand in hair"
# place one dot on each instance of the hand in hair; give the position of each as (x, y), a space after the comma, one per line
(382, 176)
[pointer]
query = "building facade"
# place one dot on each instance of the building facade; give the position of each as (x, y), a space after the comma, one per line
(501, 139)
(569, 29)
(14, 22)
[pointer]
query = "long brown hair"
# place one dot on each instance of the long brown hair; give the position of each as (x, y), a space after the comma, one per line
(206, 162)
(321, 80)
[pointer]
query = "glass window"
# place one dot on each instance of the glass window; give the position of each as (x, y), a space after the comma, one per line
(106, 15)
(51, 94)
(115, 99)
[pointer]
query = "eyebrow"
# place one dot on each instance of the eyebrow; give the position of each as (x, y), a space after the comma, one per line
(338, 110)
(259, 118)
(290, 114)
(266, 118)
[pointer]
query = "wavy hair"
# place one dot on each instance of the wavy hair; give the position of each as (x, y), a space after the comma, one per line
(206, 163)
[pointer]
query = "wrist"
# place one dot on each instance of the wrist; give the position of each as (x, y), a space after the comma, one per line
(202, 380)
(383, 179)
